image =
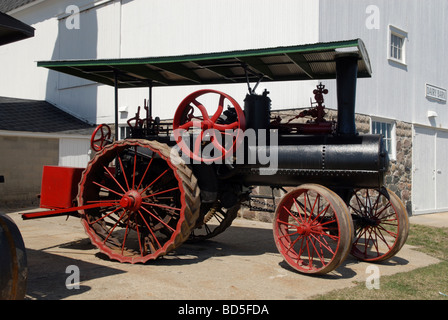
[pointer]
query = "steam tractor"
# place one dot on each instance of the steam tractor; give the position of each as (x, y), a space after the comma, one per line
(141, 197)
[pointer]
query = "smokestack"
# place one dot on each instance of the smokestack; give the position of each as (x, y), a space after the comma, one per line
(346, 78)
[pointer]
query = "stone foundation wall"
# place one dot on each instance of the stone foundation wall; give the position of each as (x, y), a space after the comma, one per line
(399, 177)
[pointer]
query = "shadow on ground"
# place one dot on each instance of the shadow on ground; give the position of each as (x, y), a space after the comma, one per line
(48, 267)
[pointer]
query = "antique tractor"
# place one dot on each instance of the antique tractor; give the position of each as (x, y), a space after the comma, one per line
(141, 197)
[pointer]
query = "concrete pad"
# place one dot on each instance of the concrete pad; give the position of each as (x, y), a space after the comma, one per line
(431, 219)
(242, 263)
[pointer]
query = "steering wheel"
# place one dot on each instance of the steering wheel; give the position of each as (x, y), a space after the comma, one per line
(100, 137)
(208, 138)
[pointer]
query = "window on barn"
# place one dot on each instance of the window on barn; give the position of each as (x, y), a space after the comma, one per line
(397, 45)
(387, 129)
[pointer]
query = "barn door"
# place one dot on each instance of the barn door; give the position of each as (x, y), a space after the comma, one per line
(441, 171)
(430, 171)
(423, 180)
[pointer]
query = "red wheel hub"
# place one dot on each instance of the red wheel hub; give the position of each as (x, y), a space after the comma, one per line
(304, 229)
(207, 124)
(131, 201)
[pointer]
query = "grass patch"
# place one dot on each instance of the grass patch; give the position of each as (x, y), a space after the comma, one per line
(420, 284)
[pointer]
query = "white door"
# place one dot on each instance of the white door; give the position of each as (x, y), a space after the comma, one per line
(423, 180)
(430, 170)
(442, 171)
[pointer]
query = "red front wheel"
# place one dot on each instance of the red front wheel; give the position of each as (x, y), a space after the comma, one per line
(381, 224)
(313, 229)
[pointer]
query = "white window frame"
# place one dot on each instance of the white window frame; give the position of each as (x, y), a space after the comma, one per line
(403, 35)
(392, 151)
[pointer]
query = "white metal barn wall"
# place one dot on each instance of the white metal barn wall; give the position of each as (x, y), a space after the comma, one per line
(142, 28)
(430, 170)
(395, 91)
(178, 27)
(74, 152)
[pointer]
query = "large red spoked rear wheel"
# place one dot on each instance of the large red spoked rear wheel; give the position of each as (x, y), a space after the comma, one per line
(207, 138)
(313, 229)
(151, 200)
(381, 224)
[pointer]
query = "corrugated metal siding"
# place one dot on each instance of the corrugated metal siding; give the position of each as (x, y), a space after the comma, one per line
(133, 28)
(200, 26)
(197, 26)
(74, 152)
(395, 92)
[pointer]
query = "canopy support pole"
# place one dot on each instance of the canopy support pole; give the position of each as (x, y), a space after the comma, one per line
(150, 99)
(117, 131)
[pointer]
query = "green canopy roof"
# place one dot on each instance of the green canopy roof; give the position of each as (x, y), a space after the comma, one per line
(302, 62)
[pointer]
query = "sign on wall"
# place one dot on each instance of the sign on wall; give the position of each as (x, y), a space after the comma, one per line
(436, 93)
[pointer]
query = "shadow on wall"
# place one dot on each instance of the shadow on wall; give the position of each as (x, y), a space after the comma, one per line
(77, 39)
